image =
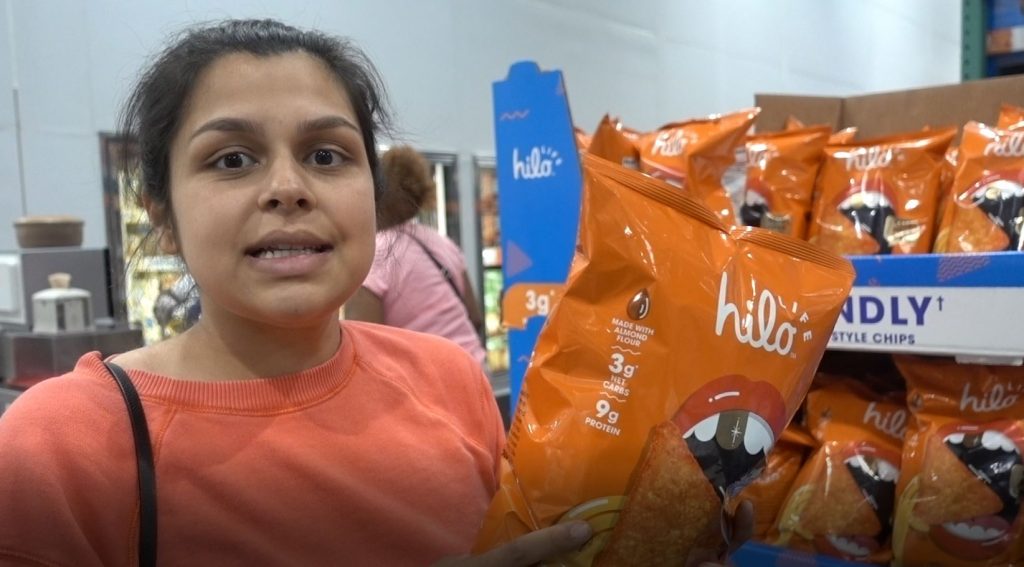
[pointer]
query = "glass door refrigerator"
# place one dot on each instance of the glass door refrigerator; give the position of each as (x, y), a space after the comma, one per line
(490, 279)
(158, 296)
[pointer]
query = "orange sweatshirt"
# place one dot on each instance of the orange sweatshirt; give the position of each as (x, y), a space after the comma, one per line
(387, 454)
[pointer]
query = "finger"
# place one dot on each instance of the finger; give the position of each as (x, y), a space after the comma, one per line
(537, 546)
(743, 525)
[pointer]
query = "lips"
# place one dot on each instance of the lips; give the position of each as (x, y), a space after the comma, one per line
(993, 456)
(870, 211)
(754, 207)
(279, 244)
(876, 473)
(729, 425)
(1002, 200)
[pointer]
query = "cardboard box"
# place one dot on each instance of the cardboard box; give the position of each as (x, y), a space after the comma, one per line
(882, 114)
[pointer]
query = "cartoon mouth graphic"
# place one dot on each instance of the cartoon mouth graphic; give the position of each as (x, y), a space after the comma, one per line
(1003, 201)
(729, 426)
(871, 213)
(756, 212)
(995, 459)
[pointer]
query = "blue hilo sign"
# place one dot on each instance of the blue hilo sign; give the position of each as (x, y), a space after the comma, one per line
(539, 200)
(969, 304)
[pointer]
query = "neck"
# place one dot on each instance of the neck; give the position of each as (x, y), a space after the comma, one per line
(223, 346)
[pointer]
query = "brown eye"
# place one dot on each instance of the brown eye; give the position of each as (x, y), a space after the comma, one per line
(325, 158)
(234, 160)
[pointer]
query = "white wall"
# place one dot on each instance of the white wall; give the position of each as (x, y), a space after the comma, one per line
(649, 61)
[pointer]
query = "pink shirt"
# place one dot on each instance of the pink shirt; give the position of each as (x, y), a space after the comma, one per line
(414, 293)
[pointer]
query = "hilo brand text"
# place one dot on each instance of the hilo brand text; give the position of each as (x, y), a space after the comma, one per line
(669, 144)
(1010, 145)
(758, 328)
(539, 163)
(998, 398)
(892, 423)
(863, 159)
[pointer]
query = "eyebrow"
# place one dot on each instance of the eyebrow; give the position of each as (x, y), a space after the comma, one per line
(250, 127)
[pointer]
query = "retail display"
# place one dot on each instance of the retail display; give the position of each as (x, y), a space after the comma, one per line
(913, 303)
(491, 280)
(675, 433)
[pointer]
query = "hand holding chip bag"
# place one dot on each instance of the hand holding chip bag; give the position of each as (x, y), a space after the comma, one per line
(677, 355)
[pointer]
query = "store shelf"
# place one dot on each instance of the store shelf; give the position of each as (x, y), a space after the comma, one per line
(159, 264)
(963, 305)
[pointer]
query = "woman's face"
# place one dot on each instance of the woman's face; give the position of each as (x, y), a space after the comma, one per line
(271, 191)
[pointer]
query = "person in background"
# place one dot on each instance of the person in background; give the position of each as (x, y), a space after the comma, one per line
(418, 280)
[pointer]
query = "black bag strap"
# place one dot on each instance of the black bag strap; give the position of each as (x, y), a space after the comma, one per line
(146, 468)
(444, 270)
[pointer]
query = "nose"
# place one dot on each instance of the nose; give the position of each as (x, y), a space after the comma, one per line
(287, 188)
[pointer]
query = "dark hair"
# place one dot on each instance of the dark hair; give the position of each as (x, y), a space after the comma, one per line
(409, 186)
(153, 111)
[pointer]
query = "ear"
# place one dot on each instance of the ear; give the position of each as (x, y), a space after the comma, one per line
(162, 226)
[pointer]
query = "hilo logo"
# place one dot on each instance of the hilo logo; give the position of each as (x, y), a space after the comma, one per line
(1008, 145)
(669, 144)
(760, 327)
(998, 398)
(863, 159)
(893, 423)
(539, 163)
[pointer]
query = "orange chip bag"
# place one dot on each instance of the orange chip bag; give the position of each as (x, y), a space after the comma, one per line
(673, 361)
(959, 498)
(613, 144)
(794, 123)
(1010, 116)
(582, 139)
(879, 196)
(768, 491)
(695, 154)
(986, 209)
(781, 169)
(844, 136)
(842, 502)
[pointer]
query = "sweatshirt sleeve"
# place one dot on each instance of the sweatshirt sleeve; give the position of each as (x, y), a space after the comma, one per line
(63, 504)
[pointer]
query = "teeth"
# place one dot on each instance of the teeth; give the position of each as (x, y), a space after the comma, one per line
(883, 469)
(758, 437)
(846, 546)
(869, 199)
(972, 532)
(705, 430)
(993, 440)
(286, 251)
(955, 438)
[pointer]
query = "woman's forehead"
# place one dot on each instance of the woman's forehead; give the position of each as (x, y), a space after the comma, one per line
(256, 87)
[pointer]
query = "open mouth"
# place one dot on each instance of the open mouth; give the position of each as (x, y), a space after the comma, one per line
(754, 208)
(1003, 202)
(870, 211)
(730, 424)
(996, 460)
(731, 447)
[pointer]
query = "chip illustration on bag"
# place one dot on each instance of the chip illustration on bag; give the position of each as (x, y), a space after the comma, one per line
(673, 361)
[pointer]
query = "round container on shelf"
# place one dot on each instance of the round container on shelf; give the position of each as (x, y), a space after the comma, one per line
(48, 230)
